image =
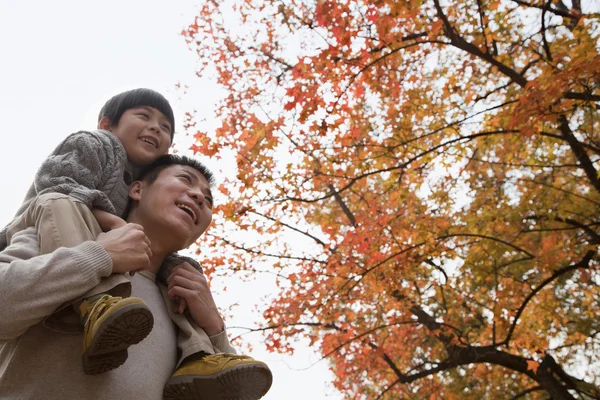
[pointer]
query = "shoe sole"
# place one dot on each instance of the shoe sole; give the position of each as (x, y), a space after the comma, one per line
(108, 350)
(243, 382)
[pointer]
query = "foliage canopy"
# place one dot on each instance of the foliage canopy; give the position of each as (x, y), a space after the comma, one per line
(441, 158)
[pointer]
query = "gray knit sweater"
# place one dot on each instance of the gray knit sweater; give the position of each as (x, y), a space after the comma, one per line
(89, 166)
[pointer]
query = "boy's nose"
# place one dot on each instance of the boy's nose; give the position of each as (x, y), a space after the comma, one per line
(155, 126)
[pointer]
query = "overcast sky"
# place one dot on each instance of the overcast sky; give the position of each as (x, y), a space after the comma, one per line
(59, 62)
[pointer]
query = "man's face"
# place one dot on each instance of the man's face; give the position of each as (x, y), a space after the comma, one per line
(179, 202)
(145, 133)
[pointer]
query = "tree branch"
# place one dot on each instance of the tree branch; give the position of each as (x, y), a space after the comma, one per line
(342, 204)
(470, 48)
(579, 152)
(526, 392)
(583, 263)
(531, 256)
(544, 39)
(562, 13)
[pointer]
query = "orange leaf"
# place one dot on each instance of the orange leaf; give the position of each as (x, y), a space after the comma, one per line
(533, 366)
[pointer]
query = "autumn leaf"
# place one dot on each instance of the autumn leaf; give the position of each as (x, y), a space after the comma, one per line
(533, 366)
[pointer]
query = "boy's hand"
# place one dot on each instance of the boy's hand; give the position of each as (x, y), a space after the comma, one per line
(190, 285)
(128, 247)
(107, 221)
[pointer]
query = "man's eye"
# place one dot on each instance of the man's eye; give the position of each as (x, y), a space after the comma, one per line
(187, 178)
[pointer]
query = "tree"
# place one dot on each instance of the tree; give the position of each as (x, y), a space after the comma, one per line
(441, 158)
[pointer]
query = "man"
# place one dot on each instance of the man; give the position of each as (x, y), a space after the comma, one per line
(168, 213)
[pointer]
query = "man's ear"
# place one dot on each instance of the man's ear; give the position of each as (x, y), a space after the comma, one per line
(105, 124)
(135, 190)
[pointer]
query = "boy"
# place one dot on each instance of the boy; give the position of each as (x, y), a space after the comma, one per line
(94, 169)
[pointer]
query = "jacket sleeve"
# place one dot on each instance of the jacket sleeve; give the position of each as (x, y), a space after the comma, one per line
(33, 287)
(79, 168)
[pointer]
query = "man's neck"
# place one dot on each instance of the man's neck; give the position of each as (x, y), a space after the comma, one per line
(159, 251)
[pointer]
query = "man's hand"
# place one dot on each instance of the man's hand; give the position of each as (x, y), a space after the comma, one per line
(128, 247)
(107, 221)
(187, 283)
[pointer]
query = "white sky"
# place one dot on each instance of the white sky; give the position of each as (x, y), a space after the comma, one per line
(59, 62)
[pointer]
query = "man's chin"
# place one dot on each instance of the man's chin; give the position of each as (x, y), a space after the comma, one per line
(182, 235)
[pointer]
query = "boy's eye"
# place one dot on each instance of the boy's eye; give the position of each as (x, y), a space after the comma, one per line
(166, 127)
(145, 115)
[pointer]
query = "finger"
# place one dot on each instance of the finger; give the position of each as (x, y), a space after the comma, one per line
(145, 262)
(178, 291)
(182, 305)
(135, 226)
(187, 283)
(188, 267)
(177, 281)
(145, 249)
(177, 270)
(189, 272)
(171, 273)
(147, 241)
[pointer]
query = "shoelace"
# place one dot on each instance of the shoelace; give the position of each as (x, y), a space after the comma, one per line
(229, 356)
(100, 305)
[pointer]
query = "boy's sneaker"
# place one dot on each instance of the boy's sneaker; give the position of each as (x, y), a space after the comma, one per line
(111, 325)
(220, 376)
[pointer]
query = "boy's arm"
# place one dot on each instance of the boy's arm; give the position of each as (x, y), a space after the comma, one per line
(79, 166)
(107, 221)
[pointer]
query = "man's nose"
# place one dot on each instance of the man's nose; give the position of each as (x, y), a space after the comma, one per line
(197, 195)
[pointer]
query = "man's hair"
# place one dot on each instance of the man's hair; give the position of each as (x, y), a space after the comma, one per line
(114, 108)
(151, 172)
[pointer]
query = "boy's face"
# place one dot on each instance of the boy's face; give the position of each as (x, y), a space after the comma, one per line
(145, 133)
(179, 201)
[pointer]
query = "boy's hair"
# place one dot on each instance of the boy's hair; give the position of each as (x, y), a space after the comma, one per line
(151, 172)
(114, 108)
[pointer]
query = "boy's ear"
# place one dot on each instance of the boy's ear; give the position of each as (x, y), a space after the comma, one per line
(105, 124)
(135, 190)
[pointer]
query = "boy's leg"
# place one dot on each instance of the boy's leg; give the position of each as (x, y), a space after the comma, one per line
(201, 372)
(191, 339)
(63, 221)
